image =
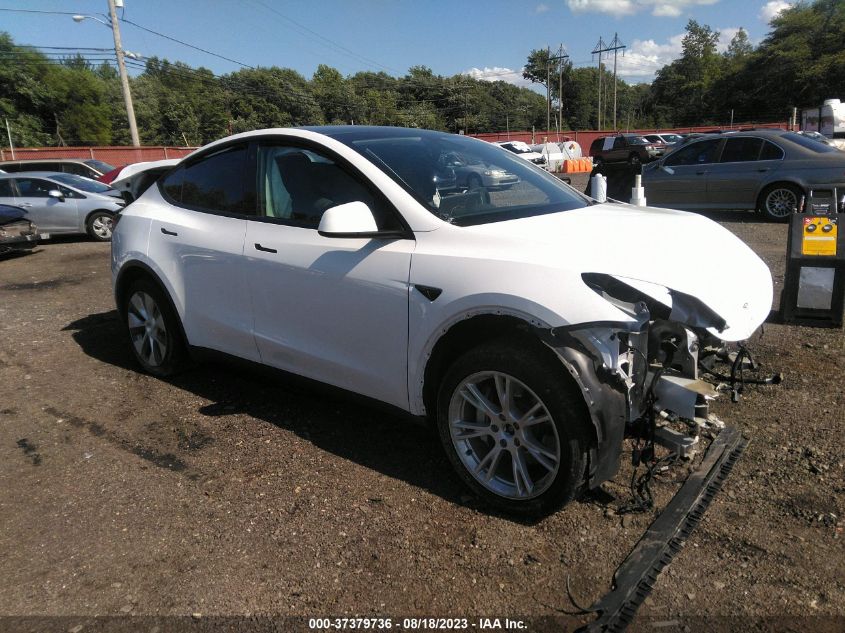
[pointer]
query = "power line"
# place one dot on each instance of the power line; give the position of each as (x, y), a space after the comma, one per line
(178, 41)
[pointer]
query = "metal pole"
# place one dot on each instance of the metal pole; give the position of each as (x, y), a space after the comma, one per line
(9, 132)
(615, 40)
(732, 118)
(599, 114)
(560, 92)
(124, 78)
(548, 92)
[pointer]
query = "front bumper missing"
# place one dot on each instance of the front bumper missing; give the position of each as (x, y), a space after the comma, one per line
(666, 536)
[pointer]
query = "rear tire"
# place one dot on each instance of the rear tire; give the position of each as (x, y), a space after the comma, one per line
(516, 461)
(635, 161)
(155, 336)
(779, 201)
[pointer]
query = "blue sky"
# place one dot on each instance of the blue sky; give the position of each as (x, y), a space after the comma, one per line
(486, 38)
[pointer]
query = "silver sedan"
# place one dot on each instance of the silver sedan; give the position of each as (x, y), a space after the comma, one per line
(63, 203)
(767, 170)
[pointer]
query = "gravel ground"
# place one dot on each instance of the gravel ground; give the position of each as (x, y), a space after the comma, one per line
(229, 491)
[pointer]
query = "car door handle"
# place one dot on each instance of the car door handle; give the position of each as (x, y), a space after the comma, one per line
(166, 232)
(25, 204)
(258, 247)
(700, 173)
(764, 169)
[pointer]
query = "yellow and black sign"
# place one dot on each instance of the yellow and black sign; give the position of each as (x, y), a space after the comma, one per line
(819, 236)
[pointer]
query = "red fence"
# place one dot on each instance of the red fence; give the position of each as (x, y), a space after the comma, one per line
(113, 155)
(124, 155)
(586, 137)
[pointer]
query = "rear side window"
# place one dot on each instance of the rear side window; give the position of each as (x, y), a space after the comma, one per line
(218, 183)
(695, 153)
(771, 152)
(742, 149)
(76, 168)
(6, 189)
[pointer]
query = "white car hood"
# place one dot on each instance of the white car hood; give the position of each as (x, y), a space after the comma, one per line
(680, 251)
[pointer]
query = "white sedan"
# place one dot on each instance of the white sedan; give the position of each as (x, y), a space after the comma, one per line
(532, 325)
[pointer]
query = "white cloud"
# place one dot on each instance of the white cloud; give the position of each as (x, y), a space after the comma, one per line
(771, 10)
(541, 8)
(497, 73)
(643, 58)
(659, 8)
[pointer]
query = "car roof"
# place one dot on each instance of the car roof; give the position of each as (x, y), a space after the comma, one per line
(37, 174)
(19, 161)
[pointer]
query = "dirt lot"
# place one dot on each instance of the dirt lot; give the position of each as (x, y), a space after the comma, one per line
(233, 492)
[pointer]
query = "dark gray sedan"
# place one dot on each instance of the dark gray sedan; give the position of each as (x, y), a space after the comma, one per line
(63, 203)
(767, 170)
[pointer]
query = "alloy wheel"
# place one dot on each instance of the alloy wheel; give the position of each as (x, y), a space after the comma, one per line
(504, 435)
(146, 329)
(781, 202)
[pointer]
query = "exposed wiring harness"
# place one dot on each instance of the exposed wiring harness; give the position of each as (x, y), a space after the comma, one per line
(737, 379)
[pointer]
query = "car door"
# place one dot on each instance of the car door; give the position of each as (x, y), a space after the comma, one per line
(334, 309)
(733, 182)
(680, 180)
(198, 243)
(7, 193)
(52, 215)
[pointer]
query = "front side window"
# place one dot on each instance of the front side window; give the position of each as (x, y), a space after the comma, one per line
(698, 153)
(217, 182)
(34, 187)
(741, 149)
(6, 188)
(298, 185)
(462, 180)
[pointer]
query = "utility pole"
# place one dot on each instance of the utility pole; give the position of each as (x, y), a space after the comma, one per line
(599, 49)
(617, 46)
(9, 132)
(548, 90)
(124, 78)
(559, 59)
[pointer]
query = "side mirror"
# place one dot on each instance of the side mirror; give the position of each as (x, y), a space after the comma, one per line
(55, 193)
(353, 219)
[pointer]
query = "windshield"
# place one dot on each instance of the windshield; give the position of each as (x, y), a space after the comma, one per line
(672, 138)
(462, 180)
(81, 183)
(809, 143)
(100, 166)
(637, 140)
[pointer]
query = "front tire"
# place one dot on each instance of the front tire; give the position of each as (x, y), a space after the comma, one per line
(513, 424)
(779, 201)
(100, 225)
(154, 334)
(635, 161)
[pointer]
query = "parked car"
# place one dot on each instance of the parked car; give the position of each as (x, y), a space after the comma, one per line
(90, 168)
(130, 186)
(17, 232)
(631, 148)
(57, 207)
(328, 252)
(664, 138)
(522, 150)
(472, 172)
(767, 170)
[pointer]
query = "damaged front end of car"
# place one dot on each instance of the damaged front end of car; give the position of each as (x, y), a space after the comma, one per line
(640, 376)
